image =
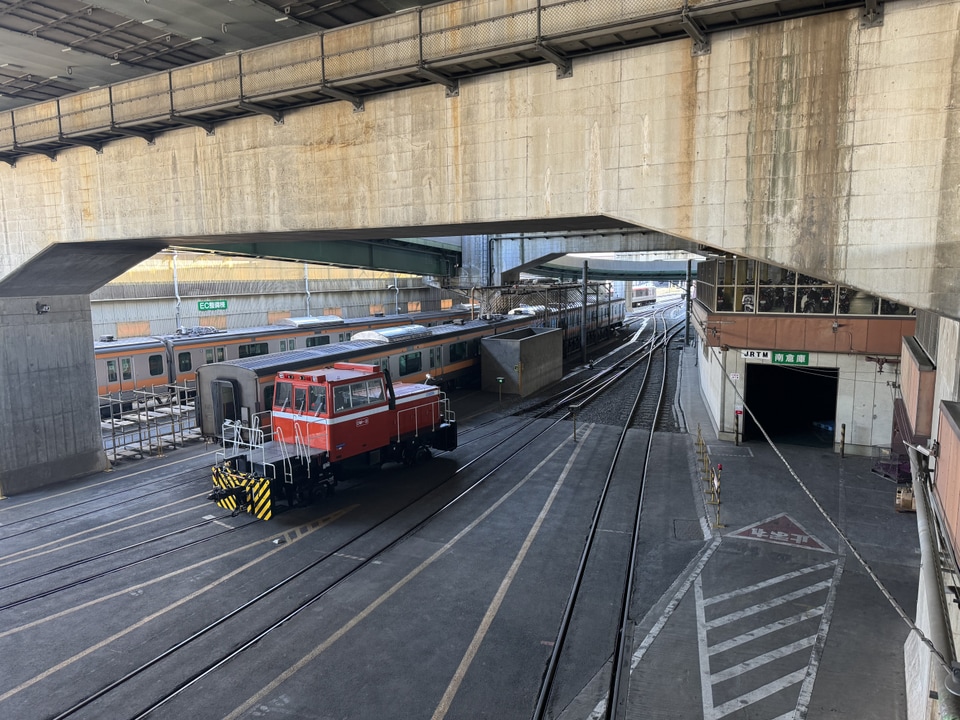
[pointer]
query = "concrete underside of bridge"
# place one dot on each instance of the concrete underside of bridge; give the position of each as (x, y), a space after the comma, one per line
(811, 144)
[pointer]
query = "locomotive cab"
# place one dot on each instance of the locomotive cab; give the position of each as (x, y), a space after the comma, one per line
(321, 420)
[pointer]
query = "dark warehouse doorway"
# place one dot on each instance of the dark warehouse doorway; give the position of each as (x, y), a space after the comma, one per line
(795, 405)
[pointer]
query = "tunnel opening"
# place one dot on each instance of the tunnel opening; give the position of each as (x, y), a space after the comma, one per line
(795, 405)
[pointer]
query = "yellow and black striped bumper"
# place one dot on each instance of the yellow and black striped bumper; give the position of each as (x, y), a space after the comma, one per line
(237, 491)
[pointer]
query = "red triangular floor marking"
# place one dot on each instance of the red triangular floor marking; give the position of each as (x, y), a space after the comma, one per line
(780, 530)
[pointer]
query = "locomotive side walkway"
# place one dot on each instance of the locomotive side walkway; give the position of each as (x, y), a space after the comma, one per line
(770, 616)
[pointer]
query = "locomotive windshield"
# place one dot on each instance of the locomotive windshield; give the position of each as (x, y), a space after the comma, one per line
(283, 395)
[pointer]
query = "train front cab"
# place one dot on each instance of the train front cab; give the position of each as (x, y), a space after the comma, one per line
(321, 421)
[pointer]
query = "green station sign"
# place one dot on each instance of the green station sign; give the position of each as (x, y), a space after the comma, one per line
(207, 305)
(789, 358)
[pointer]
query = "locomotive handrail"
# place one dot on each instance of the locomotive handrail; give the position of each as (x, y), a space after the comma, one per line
(284, 455)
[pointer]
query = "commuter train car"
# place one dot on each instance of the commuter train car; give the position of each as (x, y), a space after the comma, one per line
(350, 412)
(447, 355)
(644, 295)
(243, 390)
(146, 362)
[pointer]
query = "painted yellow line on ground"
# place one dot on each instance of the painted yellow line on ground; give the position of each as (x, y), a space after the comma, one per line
(367, 611)
(322, 522)
(60, 544)
(444, 707)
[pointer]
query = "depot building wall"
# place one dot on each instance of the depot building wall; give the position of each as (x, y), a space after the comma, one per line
(864, 403)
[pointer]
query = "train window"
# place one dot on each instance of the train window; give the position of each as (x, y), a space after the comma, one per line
(410, 363)
(358, 394)
(318, 340)
(216, 354)
(341, 398)
(374, 390)
(111, 371)
(292, 344)
(282, 395)
(253, 349)
(300, 399)
(458, 351)
(267, 396)
(283, 346)
(318, 399)
(126, 368)
(184, 361)
(433, 356)
(156, 364)
(344, 337)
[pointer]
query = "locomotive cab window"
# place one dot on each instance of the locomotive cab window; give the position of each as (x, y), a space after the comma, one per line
(341, 398)
(318, 399)
(283, 395)
(300, 399)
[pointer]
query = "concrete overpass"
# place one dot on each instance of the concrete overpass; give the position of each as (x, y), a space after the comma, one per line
(822, 143)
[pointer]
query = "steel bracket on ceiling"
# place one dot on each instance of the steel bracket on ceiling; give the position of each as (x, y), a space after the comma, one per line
(452, 86)
(564, 64)
(11, 161)
(341, 95)
(52, 154)
(193, 121)
(262, 110)
(872, 15)
(701, 43)
(133, 132)
(80, 141)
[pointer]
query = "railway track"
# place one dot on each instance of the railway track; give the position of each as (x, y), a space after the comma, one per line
(192, 657)
(641, 374)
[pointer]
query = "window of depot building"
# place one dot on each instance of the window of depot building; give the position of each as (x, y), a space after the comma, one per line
(410, 363)
(217, 354)
(746, 286)
(318, 340)
(184, 362)
(156, 365)
(253, 349)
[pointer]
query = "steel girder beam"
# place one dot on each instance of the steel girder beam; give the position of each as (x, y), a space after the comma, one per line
(389, 255)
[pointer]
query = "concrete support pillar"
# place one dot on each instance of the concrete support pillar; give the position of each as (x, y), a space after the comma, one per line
(49, 418)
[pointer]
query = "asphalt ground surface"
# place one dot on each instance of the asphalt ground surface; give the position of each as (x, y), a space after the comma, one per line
(457, 620)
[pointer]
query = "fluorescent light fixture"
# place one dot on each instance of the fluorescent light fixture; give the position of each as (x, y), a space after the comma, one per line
(201, 40)
(153, 22)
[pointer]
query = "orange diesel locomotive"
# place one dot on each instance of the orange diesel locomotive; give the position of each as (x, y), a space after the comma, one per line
(321, 419)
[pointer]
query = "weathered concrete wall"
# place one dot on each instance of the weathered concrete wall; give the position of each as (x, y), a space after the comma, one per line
(811, 143)
(48, 398)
